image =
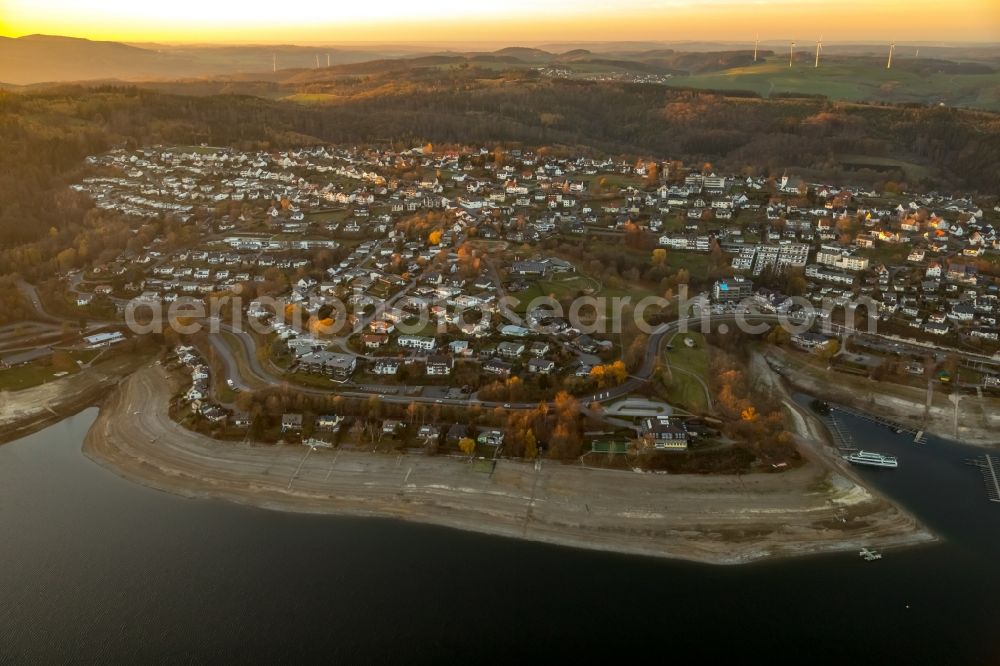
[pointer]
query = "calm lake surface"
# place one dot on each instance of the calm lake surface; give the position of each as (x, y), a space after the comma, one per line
(96, 568)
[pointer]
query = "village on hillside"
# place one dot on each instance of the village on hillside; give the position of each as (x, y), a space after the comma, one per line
(442, 237)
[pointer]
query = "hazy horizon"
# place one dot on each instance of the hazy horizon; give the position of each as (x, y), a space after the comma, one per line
(227, 22)
(480, 45)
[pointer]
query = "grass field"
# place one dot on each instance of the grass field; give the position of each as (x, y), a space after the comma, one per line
(864, 80)
(328, 216)
(886, 253)
(39, 372)
(697, 264)
(569, 288)
(912, 171)
(312, 98)
(683, 388)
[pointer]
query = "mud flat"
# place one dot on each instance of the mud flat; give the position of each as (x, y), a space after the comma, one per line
(715, 519)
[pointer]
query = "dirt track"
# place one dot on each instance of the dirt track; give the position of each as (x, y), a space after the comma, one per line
(704, 518)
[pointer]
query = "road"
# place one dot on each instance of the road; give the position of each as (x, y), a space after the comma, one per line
(263, 376)
(31, 293)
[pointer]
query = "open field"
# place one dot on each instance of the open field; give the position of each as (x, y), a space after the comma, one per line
(569, 287)
(912, 171)
(855, 80)
(40, 372)
(688, 373)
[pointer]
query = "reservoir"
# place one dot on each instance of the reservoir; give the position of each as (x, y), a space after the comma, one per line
(96, 568)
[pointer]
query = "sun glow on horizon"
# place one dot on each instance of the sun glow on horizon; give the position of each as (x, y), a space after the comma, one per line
(512, 20)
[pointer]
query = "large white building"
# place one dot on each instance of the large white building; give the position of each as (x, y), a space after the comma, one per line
(424, 343)
(842, 258)
(779, 257)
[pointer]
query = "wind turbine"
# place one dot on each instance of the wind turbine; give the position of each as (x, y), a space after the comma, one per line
(819, 47)
(317, 61)
(274, 62)
(791, 54)
(892, 47)
(756, 44)
(327, 59)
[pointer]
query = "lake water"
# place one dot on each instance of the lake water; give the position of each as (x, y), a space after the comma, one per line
(96, 568)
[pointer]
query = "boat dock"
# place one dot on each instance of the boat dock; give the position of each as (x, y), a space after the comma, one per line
(892, 425)
(841, 436)
(869, 555)
(990, 469)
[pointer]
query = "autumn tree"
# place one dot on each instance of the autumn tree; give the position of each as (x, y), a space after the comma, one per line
(829, 350)
(467, 445)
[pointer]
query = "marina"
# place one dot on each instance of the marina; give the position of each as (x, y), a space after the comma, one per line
(990, 469)
(892, 425)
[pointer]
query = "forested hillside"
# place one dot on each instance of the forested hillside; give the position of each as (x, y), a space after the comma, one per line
(47, 134)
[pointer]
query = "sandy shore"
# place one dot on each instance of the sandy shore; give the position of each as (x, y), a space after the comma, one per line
(716, 519)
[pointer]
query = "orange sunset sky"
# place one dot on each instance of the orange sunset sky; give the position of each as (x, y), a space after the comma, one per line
(512, 21)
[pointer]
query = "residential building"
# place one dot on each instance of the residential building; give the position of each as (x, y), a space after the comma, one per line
(732, 290)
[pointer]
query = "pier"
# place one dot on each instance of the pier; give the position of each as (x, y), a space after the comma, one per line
(841, 436)
(896, 427)
(989, 468)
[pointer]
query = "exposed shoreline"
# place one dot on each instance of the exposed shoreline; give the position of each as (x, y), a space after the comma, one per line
(712, 519)
(32, 409)
(975, 421)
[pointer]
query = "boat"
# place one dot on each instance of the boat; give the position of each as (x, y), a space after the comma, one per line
(869, 459)
(820, 407)
(869, 555)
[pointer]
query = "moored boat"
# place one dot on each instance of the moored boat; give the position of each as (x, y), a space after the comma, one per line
(870, 459)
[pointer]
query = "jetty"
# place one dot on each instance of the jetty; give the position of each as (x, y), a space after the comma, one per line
(892, 425)
(841, 436)
(989, 466)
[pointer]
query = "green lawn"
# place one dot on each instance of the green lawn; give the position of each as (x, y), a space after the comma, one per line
(25, 376)
(685, 391)
(683, 388)
(568, 287)
(40, 372)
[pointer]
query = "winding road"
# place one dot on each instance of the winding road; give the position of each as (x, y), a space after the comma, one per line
(261, 376)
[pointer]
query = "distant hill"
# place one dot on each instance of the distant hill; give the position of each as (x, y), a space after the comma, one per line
(522, 53)
(46, 58)
(966, 76)
(37, 58)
